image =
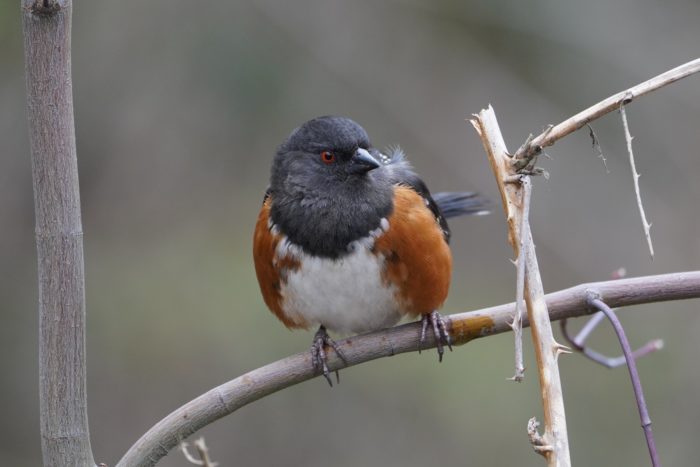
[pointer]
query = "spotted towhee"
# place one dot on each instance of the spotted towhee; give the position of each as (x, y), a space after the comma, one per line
(350, 239)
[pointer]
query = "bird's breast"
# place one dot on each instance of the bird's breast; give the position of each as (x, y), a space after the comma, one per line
(348, 294)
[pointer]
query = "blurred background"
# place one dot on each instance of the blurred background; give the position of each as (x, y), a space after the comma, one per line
(179, 107)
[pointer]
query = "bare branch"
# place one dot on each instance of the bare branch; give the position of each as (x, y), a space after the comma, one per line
(517, 324)
(628, 138)
(551, 136)
(63, 403)
(547, 350)
(595, 301)
(464, 327)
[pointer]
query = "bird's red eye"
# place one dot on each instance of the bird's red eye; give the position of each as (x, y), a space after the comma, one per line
(327, 157)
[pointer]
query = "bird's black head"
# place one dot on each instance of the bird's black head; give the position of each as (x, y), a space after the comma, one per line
(327, 149)
(327, 185)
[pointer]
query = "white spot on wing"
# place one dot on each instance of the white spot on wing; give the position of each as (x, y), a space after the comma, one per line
(384, 224)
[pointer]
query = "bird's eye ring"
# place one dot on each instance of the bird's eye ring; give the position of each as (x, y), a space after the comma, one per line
(327, 157)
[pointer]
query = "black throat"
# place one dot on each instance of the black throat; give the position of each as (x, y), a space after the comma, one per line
(325, 223)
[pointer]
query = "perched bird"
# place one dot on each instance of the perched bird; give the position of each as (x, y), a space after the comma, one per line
(350, 239)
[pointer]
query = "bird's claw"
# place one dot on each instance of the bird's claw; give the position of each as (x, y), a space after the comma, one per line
(439, 327)
(319, 356)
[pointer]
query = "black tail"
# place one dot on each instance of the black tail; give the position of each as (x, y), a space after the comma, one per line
(453, 204)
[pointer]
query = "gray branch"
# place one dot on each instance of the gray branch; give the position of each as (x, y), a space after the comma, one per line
(65, 437)
(464, 327)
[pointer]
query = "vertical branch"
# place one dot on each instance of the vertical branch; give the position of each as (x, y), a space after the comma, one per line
(59, 238)
(554, 444)
(635, 175)
(517, 323)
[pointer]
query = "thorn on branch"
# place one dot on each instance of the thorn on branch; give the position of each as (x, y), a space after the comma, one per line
(536, 439)
(560, 349)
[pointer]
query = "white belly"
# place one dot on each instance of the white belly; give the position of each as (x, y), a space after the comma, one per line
(345, 295)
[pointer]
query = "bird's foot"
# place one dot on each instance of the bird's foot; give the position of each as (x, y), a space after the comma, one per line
(439, 327)
(319, 356)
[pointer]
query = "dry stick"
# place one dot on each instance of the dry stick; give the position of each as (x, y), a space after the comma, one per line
(557, 132)
(464, 327)
(596, 145)
(517, 324)
(203, 452)
(201, 446)
(65, 436)
(628, 138)
(547, 350)
(595, 301)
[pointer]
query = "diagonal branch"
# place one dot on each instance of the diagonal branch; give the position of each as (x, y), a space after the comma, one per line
(550, 136)
(464, 327)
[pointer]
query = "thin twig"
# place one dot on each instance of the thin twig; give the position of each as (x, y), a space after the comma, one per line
(202, 451)
(464, 327)
(579, 343)
(551, 136)
(595, 142)
(628, 138)
(587, 329)
(517, 324)
(183, 447)
(595, 301)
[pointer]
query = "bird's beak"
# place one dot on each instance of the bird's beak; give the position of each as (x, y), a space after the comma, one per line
(362, 161)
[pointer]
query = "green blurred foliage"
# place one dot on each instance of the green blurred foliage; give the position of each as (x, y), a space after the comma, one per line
(179, 107)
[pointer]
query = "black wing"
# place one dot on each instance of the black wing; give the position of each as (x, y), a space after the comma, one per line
(461, 203)
(443, 205)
